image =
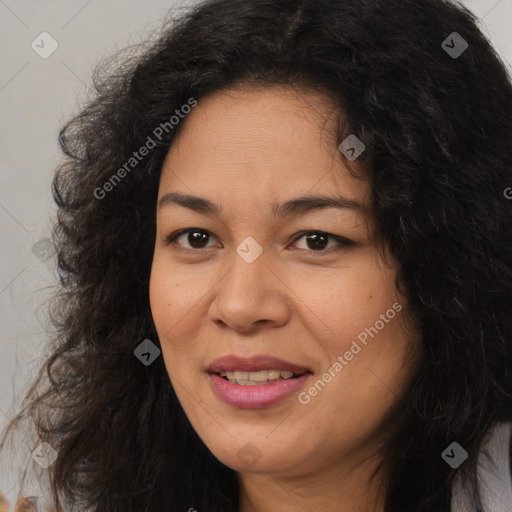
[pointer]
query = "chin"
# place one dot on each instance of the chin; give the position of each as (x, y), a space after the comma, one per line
(253, 457)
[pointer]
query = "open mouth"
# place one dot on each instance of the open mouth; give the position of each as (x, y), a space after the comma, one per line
(257, 382)
(258, 377)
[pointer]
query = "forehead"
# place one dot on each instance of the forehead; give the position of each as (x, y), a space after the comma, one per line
(264, 143)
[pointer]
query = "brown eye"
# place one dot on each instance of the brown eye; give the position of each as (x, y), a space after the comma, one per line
(196, 238)
(318, 241)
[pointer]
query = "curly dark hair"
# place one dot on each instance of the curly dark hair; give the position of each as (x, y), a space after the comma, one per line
(437, 130)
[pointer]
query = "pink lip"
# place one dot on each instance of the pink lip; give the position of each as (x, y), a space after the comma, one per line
(255, 397)
(260, 362)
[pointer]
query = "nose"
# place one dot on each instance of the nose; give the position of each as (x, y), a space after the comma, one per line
(250, 296)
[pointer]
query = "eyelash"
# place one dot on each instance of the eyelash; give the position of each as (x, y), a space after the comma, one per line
(344, 242)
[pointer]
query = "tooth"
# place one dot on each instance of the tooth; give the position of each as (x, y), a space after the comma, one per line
(256, 377)
(246, 382)
(259, 376)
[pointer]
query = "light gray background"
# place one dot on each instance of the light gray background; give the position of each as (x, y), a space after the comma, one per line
(36, 97)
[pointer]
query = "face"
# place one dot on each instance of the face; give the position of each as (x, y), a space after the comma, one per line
(251, 278)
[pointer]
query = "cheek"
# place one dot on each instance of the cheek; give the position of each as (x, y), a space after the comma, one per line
(172, 293)
(162, 296)
(362, 321)
(344, 302)
(168, 304)
(178, 304)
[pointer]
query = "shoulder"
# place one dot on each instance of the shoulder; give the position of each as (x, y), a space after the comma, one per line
(494, 474)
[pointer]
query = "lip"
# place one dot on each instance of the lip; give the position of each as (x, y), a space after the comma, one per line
(233, 363)
(255, 397)
(258, 396)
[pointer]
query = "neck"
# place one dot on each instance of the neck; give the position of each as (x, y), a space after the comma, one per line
(349, 490)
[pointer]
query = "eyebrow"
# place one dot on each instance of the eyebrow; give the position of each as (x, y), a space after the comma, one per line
(296, 206)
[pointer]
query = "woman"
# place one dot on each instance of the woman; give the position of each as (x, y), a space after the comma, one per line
(284, 248)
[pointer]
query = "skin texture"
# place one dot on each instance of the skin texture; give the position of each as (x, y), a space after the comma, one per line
(245, 149)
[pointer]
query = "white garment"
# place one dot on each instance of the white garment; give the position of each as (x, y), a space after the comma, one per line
(493, 475)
